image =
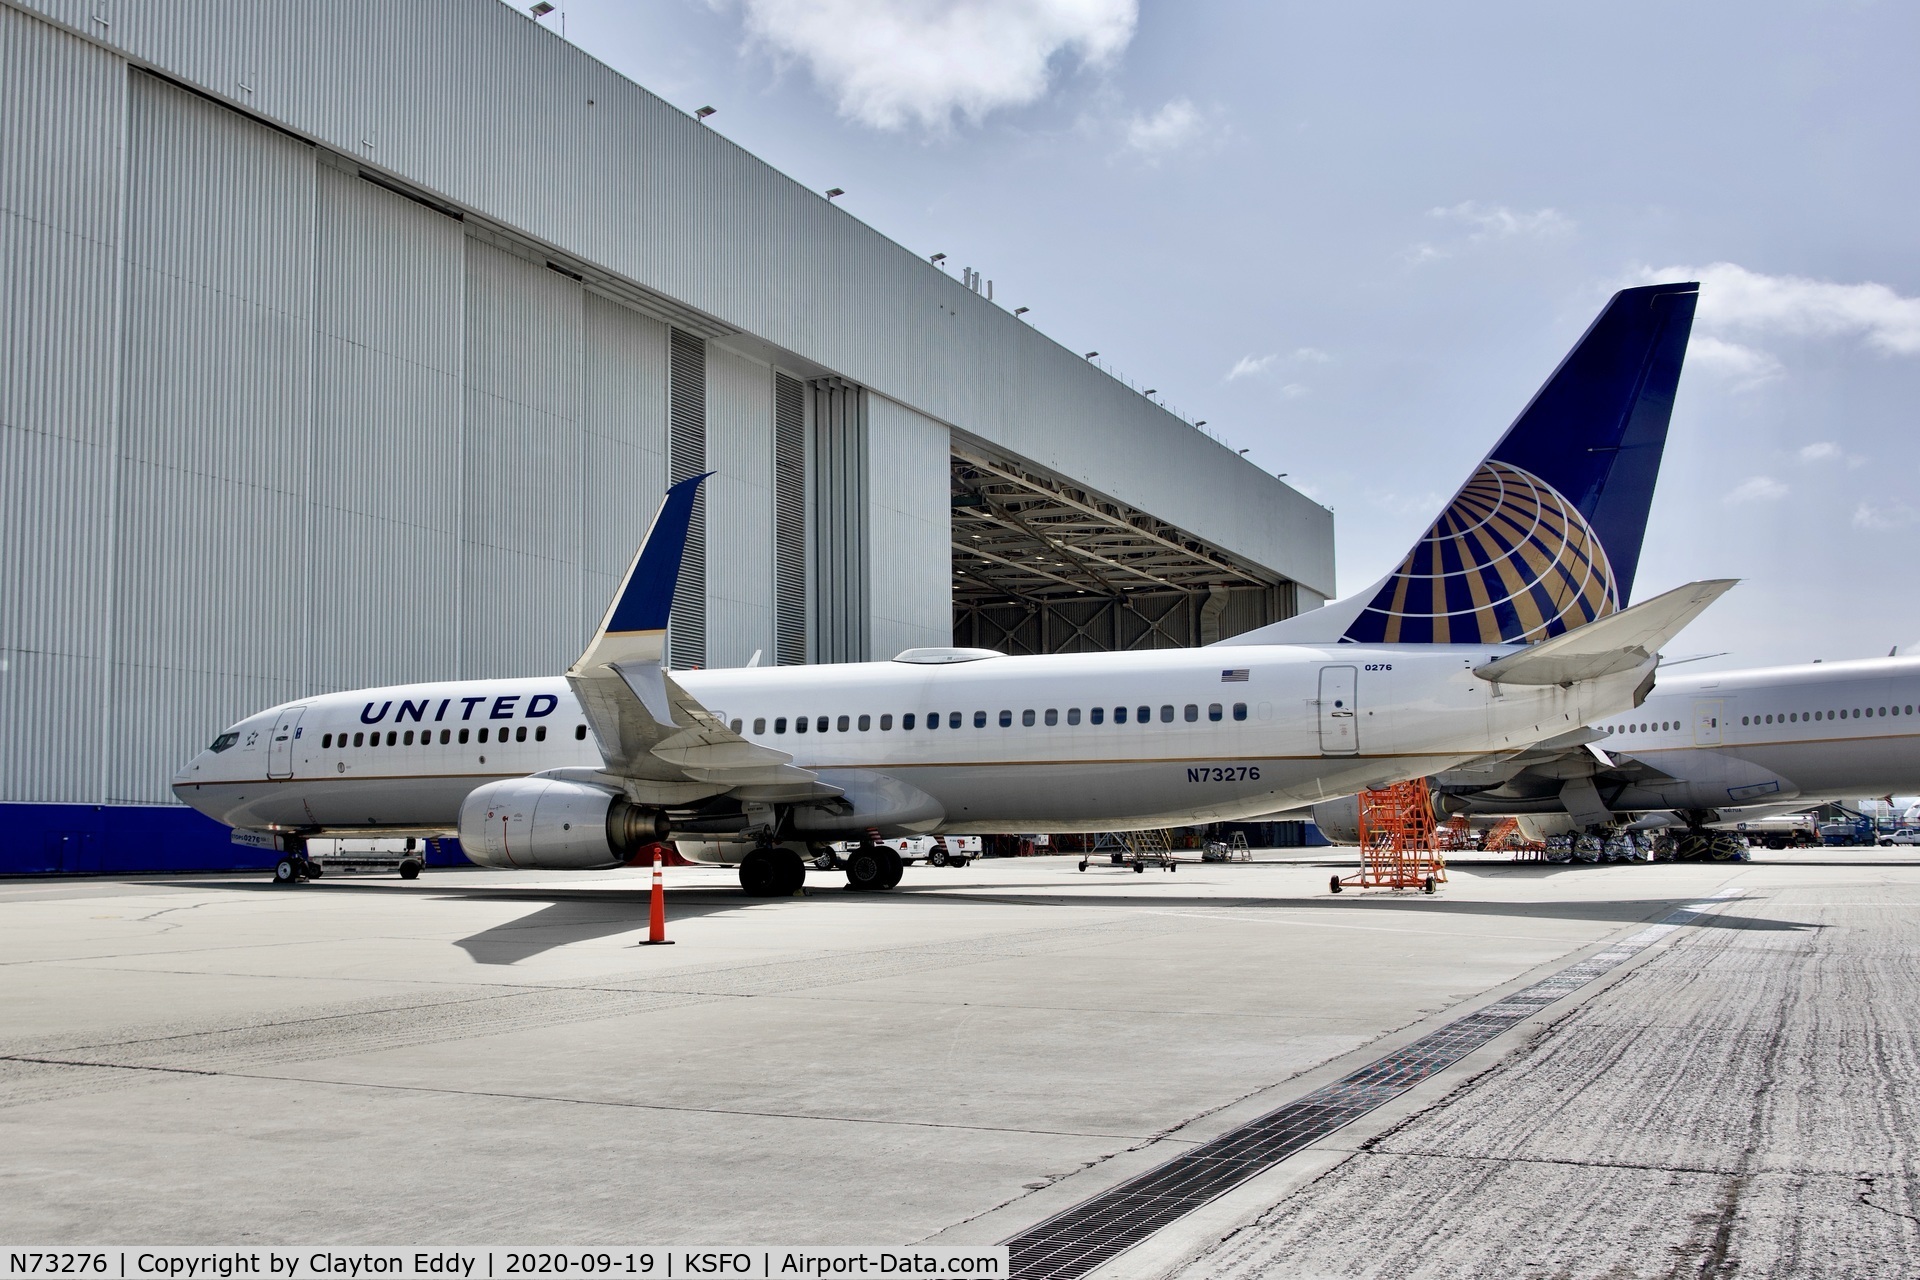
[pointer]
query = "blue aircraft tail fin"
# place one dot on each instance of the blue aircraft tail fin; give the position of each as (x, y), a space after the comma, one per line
(1545, 535)
(635, 625)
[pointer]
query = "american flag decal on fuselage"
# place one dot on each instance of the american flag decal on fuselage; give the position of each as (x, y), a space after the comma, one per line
(1510, 559)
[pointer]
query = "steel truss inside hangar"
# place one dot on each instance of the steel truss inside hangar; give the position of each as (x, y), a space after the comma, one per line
(1041, 565)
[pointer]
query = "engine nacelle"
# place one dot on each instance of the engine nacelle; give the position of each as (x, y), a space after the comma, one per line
(1339, 820)
(554, 824)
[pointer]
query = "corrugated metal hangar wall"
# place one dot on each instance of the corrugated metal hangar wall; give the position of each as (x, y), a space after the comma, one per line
(322, 367)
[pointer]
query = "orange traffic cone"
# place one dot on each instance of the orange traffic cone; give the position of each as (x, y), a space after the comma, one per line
(657, 914)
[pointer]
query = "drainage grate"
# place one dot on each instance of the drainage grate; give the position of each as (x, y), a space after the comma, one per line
(1077, 1240)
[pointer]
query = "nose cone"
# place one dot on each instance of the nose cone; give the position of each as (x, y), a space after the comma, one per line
(186, 776)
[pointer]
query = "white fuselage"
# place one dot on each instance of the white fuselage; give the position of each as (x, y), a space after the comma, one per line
(1084, 742)
(1815, 731)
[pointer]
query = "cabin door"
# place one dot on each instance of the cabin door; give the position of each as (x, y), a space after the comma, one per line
(1339, 725)
(286, 733)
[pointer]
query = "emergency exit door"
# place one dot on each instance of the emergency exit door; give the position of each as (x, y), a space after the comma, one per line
(1339, 725)
(1706, 723)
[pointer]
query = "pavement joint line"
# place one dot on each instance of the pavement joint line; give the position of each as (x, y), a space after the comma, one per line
(583, 1102)
(1088, 1235)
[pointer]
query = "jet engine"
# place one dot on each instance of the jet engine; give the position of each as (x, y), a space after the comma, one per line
(1339, 820)
(555, 824)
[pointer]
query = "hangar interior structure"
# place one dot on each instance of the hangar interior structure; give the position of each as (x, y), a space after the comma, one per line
(353, 344)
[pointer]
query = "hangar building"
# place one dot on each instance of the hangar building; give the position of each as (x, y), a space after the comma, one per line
(354, 343)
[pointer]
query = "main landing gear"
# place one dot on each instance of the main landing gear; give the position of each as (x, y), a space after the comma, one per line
(870, 867)
(772, 872)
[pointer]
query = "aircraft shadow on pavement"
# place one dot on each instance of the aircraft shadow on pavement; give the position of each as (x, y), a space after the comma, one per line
(581, 915)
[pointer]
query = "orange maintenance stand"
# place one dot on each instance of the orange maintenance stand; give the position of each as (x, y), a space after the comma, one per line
(1398, 849)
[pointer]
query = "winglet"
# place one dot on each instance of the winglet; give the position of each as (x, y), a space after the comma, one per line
(635, 626)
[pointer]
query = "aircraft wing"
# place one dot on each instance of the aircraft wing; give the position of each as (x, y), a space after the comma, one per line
(650, 730)
(1618, 642)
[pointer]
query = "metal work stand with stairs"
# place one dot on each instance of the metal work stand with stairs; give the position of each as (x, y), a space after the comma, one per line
(1397, 845)
(1136, 849)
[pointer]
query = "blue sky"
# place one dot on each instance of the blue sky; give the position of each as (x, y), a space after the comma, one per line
(1355, 238)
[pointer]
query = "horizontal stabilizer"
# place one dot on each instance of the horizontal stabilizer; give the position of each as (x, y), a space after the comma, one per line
(1618, 642)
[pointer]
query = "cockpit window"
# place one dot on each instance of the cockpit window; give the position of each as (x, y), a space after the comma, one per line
(224, 741)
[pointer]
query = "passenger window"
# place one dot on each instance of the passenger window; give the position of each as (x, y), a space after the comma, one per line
(326, 740)
(906, 721)
(1073, 715)
(1239, 711)
(840, 724)
(1097, 714)
(979, 719)
(1053, 716)
(540, 734)
(408, 740)
(779, 724)
(483, 735)
(933, 719)
(1119, 715)
(866, 723)
(953, 720)
(446, 736)
(1143, 714)
(799, 724)
(1192, 713)
(886, 723)
(1166, 713)
(579, 734)
(1026, 717)
(735, 726)
(759, 724)
(358, 738)
(463, 736)
(820, 724)
(1006, 719)
(1213, 711)
(520, 734)
(391, 737)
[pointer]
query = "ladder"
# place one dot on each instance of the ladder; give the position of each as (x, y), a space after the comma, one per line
(1137, 849)
(1398, 848)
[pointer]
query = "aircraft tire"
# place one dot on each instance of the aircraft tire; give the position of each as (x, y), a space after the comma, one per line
(865, 870)
(793, 872)
(760, 874)
(409, 870)
(311, 869)
(286, 871)
(894, 869)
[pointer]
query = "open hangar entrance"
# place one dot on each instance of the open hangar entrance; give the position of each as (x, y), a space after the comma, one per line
(1041, 565)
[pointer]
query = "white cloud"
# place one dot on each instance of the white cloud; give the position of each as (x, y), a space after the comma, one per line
(1757, 489)
(1497, 222)
(1247, 366)
(892, 63)
(1828, 451)
(1172, 127)
(1311, 355)
(1293, 391)
(1746, 367)
(1897, 515)
(1735, 299)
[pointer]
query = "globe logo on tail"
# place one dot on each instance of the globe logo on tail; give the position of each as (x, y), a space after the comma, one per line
(1509, 560)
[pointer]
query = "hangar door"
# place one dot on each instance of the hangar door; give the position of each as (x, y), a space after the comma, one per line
(1339, 728)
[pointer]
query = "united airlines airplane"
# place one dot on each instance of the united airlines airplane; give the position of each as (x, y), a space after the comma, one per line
(1506, 624)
